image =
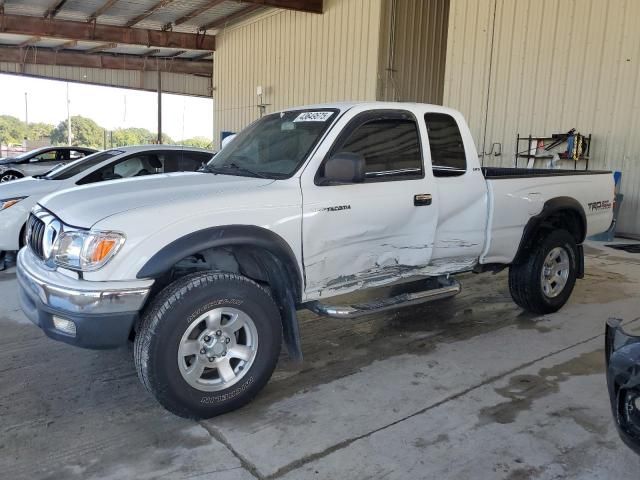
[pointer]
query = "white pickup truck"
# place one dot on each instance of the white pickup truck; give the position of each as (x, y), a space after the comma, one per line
(205, 270)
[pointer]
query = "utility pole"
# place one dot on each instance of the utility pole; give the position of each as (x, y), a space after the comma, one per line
(26, 109)
(68, 117)
(159, 106)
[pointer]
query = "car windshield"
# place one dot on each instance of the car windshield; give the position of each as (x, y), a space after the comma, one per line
(28, 154)
(274, 146)
(74, 168)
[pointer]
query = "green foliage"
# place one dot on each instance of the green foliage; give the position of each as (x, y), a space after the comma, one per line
(40, 130)
(84, 132)
(200, 142)
(13, 130)
(122, 137)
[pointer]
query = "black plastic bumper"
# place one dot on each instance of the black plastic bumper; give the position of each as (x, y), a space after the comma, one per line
(96, 331)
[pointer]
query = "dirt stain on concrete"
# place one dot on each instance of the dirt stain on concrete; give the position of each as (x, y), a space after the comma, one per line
(600, 286)
(424, 444)
(523, 390)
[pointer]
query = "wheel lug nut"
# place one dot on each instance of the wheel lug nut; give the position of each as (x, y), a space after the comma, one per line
(211, 359)
(203, 351)
(207, 338)
(227, 340)
(218, 333)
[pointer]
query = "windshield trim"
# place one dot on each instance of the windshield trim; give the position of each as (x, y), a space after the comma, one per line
(312, 149)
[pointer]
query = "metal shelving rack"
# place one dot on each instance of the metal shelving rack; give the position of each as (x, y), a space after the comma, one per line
(553, 138)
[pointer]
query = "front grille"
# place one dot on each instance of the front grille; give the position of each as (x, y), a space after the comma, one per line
(35, 229)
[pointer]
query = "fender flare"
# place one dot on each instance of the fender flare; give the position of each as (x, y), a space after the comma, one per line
(12, 170)
(224, 236)
(285, 277)
(551, 207)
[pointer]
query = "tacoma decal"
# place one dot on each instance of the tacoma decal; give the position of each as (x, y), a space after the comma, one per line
(337, 208)
(601, 205)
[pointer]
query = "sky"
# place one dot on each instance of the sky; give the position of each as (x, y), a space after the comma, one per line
(183, 117)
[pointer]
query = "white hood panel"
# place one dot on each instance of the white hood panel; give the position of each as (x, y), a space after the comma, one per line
(85, 206)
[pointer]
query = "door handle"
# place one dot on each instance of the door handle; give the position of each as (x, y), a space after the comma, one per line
(422, 199)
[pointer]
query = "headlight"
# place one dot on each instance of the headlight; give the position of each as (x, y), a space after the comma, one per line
(9, 202)
(86, 250)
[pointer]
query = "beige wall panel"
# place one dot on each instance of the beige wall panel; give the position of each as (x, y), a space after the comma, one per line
(298, 58)
(417, 49)
(468, 59)
(557, 64)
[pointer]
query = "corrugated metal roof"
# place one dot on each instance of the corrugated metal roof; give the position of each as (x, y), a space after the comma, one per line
(122, 11)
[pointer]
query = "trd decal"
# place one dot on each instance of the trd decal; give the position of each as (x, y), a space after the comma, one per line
(337, 208)
(602, 205)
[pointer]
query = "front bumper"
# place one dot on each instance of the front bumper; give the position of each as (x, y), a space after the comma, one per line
(103, 312)
(622, 353)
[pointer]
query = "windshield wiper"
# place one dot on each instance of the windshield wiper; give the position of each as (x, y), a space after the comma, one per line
(233, 166)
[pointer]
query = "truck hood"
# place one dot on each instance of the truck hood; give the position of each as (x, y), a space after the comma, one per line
(27, 187)
(85, 206)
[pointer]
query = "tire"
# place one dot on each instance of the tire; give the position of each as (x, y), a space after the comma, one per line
(206, 308)
(541, 295)
(10, 176)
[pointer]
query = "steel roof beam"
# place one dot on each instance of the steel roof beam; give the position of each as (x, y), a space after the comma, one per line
(311, 6)
(53, 10)
(71, 30)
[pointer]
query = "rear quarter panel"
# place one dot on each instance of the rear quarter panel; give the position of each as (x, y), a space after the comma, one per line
(513, 201)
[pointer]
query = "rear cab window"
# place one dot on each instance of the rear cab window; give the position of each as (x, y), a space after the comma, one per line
(448, 157)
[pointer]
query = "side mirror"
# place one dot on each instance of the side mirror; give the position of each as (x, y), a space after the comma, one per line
(344, 167)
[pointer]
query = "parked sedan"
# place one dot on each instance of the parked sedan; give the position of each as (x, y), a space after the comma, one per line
(39, 161)
(18, 197)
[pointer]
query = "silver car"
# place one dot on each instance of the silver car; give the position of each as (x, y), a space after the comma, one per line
(39, 161)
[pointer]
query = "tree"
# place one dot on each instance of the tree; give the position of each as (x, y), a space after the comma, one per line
(136, 136)
(12, 130)
(84, 132)
(39, 130)
(200, 142)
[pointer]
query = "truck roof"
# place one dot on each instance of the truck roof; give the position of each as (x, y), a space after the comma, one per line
(377, 104)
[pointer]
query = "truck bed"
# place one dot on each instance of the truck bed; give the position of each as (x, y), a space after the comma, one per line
(517, 194)
(510, 172)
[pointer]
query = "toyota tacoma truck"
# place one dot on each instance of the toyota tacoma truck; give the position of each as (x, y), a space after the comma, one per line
(205, 270)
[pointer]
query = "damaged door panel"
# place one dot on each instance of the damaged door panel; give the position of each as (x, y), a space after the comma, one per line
(366, 230)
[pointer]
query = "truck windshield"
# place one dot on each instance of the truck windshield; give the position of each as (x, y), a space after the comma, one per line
(274, 146)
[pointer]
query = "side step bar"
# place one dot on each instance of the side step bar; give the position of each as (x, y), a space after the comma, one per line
(376, 306)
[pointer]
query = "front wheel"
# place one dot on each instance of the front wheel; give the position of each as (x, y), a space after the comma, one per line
(9, 176)
(208, 344)
(543, 282)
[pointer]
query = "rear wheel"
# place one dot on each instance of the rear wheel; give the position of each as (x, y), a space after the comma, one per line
(543, 282)
(208, 344)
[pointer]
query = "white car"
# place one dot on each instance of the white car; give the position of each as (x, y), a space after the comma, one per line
(18, 197)
(207, 269)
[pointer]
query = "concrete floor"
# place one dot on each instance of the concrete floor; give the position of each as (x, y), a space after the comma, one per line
(468, 388)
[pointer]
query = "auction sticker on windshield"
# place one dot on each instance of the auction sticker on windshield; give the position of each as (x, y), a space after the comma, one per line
(313, 117)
